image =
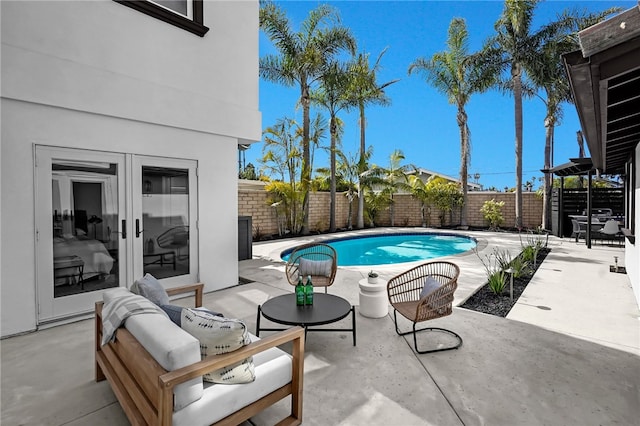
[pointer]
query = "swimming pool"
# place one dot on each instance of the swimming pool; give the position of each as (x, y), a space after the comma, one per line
(387, 249)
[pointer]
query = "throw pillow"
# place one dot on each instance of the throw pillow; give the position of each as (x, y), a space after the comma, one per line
(430, 284)
(151, 288)
(315, 267)
(219, 335)
(175, 313)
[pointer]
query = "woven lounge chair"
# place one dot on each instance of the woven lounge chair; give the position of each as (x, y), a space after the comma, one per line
(318, 260)
(408, 297)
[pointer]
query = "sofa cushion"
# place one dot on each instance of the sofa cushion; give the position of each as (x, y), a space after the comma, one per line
(149, 287)
(172, 348)
(219, 335)
(273, 370)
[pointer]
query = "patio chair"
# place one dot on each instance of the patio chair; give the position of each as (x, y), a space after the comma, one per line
(611, 229)
(425, 293)
(318, 260)
(174, 239)
(577, 230)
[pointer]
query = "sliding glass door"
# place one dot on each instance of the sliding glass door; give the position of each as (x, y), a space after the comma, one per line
(105, 219)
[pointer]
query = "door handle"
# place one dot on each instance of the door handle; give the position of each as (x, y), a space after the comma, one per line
(138, 230)
(124, 229)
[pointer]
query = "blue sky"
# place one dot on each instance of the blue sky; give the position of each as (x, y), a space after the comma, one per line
(420, 121)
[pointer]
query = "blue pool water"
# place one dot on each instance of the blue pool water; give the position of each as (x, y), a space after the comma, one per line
(396, 248)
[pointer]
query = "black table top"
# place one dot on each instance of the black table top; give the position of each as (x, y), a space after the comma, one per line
(326, 308)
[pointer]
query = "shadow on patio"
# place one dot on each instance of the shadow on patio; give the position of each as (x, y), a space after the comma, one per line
(508, 371)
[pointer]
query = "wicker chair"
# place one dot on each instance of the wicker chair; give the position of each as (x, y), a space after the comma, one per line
(315, 259)
(404, 295)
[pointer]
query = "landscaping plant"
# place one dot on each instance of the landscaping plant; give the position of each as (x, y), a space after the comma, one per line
(492, 212)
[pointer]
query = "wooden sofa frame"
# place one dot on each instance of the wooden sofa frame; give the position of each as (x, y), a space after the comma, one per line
(145, 389)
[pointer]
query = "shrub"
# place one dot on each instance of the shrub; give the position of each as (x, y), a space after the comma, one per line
(492, 212)
(497, 282)
(494, 266)
(519, 266)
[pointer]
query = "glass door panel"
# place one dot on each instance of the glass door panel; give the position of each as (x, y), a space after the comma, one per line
(165, 243)
(85, 221)
(79, 216)
(165, 220)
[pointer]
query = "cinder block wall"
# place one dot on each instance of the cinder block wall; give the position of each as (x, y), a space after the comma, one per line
(407, 211)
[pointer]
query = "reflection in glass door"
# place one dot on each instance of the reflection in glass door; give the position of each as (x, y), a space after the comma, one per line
(104, 220)
(85, 220)
(165, 221)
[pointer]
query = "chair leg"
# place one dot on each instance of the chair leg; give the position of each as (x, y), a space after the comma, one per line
(415, 340)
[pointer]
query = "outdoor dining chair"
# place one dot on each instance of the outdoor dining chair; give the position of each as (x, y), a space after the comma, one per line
(318, 260)
(425, 293)
(577, 230)
(611, 229)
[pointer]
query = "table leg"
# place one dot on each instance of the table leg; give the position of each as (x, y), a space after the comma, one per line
(258, 321)
(353, 323)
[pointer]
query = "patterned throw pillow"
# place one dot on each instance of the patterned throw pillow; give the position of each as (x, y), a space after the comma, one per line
(175, 313)
(149, 287)
(219, 335)
(315, 267)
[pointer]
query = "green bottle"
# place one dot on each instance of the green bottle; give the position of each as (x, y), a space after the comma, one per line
(300, 293)
(308, 291)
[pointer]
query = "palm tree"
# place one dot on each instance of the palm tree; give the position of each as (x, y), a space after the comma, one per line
(301, 60)
(332, 96)
(510, 49)
(421, 192)
(280, 152)
(454, 74)
(364, 90)
(347, 169)
(391, 178)
(547, 72)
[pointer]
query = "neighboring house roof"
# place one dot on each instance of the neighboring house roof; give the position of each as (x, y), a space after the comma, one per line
(605, 81)
(426, 174)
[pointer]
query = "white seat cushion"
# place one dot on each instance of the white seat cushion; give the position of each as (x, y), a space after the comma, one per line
(172, 348)
(273, 370)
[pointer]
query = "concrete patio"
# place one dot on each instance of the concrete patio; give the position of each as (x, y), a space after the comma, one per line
(567, 354)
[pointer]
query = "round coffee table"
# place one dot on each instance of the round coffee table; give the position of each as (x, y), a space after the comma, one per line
(326, 309)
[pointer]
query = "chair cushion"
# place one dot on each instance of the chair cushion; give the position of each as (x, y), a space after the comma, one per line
(430, 284)
(315, 267)
(149, 287)
(172, 348)
(219, 335)
(273, 370)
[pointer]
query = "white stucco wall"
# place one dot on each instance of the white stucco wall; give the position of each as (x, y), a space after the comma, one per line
(98, 75)
(632, 251)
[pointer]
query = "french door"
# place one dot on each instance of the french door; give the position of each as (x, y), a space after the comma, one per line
(105, 219)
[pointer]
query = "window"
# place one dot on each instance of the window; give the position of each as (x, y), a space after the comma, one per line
(185, 14)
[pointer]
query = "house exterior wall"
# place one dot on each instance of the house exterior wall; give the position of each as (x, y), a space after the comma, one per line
(632, 251)
(101, 76)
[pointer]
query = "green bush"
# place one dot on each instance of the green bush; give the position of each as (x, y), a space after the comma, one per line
(492, 212)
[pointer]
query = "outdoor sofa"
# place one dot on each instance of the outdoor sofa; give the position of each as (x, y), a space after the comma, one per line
(156, 372)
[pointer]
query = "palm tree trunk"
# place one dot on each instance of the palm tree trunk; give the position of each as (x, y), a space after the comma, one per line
(361, 170)
(306, 166)
(464, 162)
(332, 203)
(516, 74)
(546, 200)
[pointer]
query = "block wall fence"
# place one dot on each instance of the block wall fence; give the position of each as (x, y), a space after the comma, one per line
(406, 211)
